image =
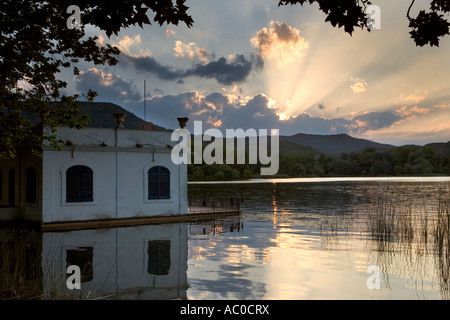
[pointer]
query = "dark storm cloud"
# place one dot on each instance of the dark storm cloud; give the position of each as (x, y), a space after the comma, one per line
(224, 71)
(375, 120)
(149, 64)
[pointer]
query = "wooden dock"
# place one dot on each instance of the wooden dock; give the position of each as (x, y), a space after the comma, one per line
(199, 209)
(214, 205)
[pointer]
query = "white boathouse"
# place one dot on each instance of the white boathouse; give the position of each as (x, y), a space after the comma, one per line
(101, 174)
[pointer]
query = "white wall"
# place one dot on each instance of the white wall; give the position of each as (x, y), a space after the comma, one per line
(120, 261)
(119, 185)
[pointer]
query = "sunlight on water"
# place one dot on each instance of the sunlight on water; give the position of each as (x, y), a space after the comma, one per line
(329, 179)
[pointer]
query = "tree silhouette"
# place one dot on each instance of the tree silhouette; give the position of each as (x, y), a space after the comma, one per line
(36, 43)
(426, 28)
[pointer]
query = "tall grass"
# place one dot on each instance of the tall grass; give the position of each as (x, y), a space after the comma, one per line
(22, 276)
(419, 233)
(442, 243)
(20, 271)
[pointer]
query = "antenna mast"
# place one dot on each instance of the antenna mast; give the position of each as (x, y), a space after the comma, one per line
(145, 101)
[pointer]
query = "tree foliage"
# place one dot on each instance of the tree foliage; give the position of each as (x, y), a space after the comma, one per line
(36, 44)
(426, 28)
(400, 161)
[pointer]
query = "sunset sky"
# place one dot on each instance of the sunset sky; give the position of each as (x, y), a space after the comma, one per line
(252, 64)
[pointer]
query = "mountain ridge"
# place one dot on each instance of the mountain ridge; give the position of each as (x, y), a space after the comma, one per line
(336, 143)
(101, 115)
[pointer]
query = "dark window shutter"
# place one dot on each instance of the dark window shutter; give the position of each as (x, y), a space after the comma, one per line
(79, 184)
(158, 183)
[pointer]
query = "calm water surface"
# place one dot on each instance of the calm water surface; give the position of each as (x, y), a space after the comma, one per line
(295, 239)
(316, 238)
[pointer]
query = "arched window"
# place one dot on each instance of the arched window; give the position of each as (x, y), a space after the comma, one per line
(158, 183)
(12, 188)
(79, 184)
(158, 257)
(30, 185)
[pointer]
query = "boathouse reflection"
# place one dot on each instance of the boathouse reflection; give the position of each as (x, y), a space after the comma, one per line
(145, 262)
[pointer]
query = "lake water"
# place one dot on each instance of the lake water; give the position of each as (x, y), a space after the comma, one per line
(343, 238)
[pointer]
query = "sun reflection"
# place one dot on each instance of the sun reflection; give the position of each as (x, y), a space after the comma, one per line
(275, 210)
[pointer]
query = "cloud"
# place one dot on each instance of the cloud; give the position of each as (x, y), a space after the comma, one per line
(224, 71)
(360, 85)
(373, 121)
(232, 111)
(170, 32)
(228, 111)
(149, 64)
(158, 91)
(192, 51)
(411, 113)
(414, 98)
(109, 86)
(126, 42)
(443, 105)
(279, 43)
(129, 46)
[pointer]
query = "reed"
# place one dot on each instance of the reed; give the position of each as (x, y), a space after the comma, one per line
(418, 232)
(442, 243)
(22, 276)
(20, 271)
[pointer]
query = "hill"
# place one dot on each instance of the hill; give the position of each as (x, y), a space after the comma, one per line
(334, 144)
(440, 147)
(289, 147)
(102, 116)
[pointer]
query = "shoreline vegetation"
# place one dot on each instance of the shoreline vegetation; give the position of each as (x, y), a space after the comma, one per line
(399, 161)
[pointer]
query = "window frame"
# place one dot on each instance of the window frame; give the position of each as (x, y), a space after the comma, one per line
(159, 257)
(63, 171)
(160, 174)
(12, 187)
(1, 186)
(146, 181)
(34, 188)
(85, 255)
(80, 175)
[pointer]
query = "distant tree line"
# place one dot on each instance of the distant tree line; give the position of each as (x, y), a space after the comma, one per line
(405, 160)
